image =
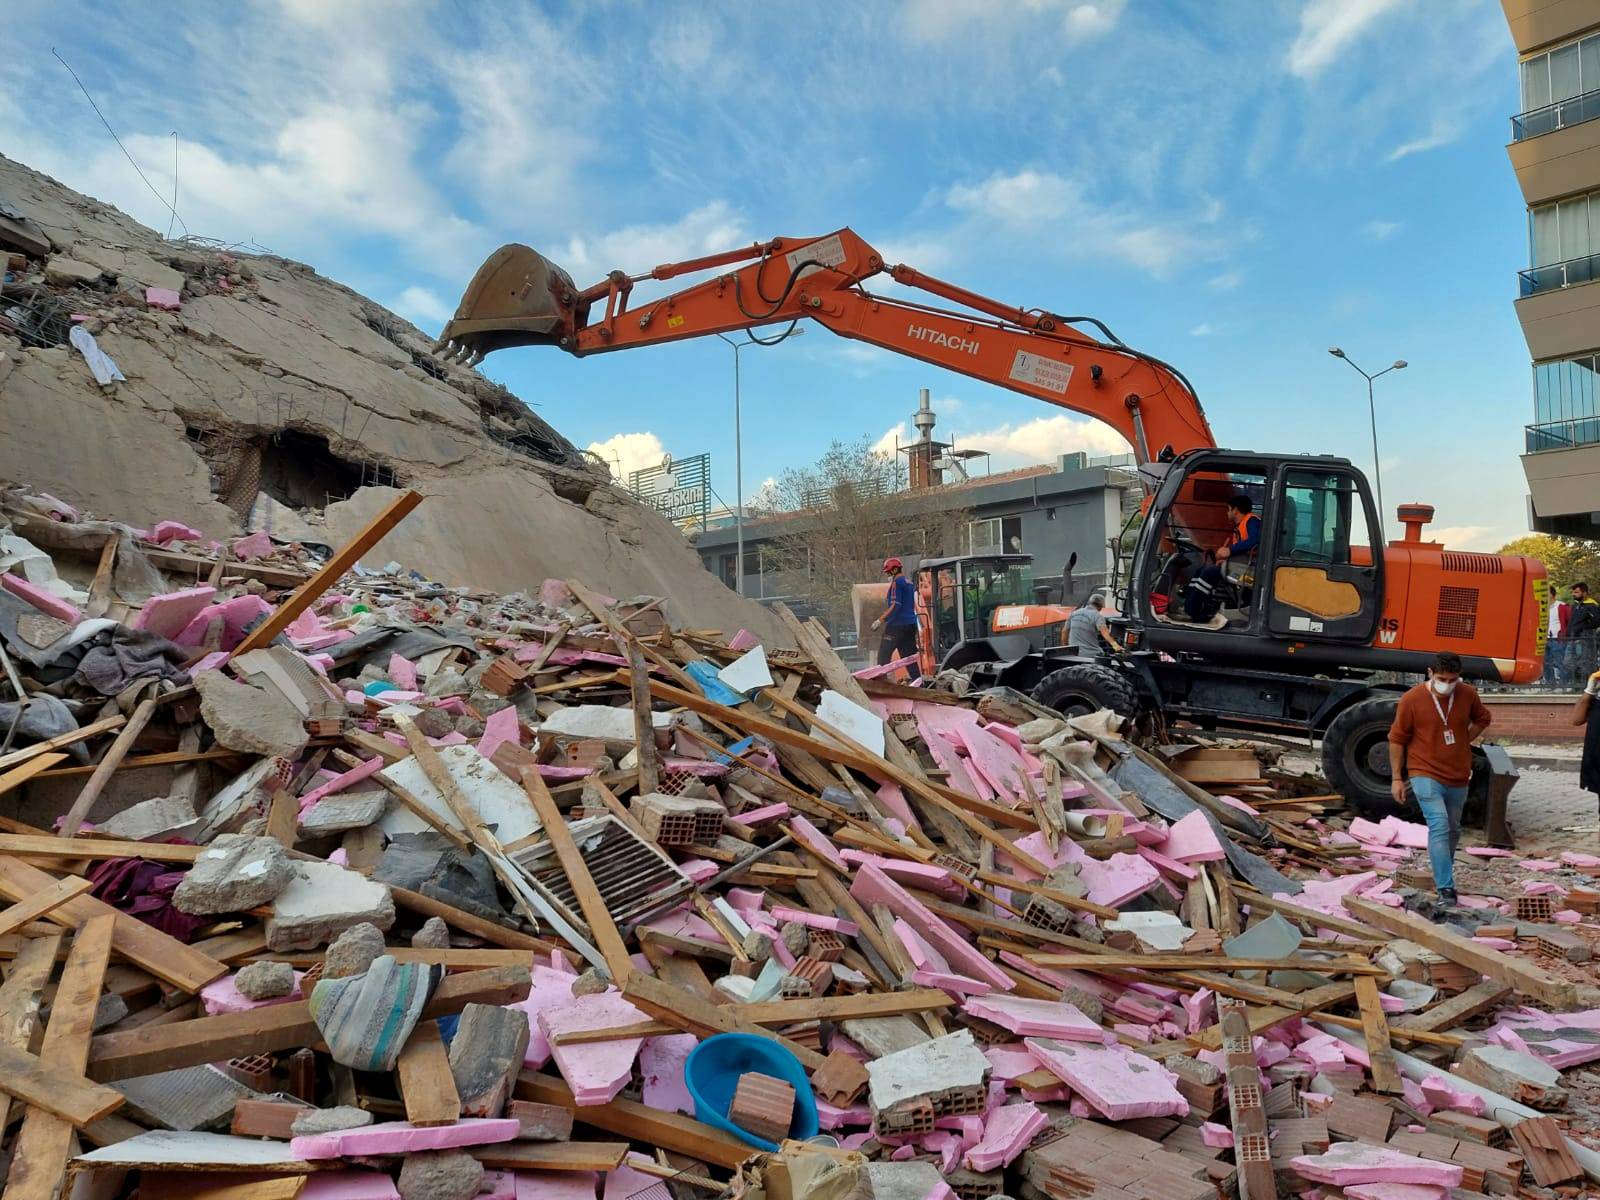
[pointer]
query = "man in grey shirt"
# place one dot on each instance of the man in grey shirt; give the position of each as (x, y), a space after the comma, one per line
(1088, 630)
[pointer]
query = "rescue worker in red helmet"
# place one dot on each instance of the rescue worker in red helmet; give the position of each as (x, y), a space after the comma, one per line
(899, 620)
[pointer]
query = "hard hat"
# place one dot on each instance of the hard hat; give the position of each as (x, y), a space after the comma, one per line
(892, 564)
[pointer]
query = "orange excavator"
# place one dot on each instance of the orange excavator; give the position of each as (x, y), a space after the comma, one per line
(1301, 635)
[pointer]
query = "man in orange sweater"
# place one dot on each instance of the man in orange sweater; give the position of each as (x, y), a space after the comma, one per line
(1430, 747)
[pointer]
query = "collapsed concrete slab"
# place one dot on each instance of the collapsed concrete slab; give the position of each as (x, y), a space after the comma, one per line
(321, 901)
(233, 874)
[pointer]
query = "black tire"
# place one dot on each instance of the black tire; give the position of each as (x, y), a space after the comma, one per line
(1088, 687)
(1355, 756)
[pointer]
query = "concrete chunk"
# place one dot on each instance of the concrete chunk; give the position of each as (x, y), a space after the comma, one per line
(163, 817)
(485, 1056)
(233, 874)
(265, 980)
(322, 900)
(353, 951)
(348, 810)
(952, 1063)
(329, 1120)
(250, 719)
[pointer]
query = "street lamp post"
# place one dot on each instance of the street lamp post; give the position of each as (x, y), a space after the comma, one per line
(1399, 364)
(738, 454)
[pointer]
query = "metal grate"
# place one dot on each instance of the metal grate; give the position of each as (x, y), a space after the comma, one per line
(632, 876)
(1458, 613)
(1473, 564)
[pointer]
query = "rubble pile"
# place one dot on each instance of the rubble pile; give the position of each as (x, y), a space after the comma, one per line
(143, 377)
(327, 880)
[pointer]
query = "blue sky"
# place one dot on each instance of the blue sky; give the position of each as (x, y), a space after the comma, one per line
(1232, 187)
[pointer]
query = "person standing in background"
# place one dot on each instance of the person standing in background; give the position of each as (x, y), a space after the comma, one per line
(1587, 713)
(1583, 624)
(899, 620)
(1555, 645)
(1430, 750)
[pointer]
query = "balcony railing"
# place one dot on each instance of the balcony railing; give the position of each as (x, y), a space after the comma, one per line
(1572, 111)
(1562, 435)
(1559, 275)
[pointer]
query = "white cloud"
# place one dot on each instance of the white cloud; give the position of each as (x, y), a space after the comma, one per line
(629, 452)
(1027, 198)
(945, 20)
(1327, 28)
(1463, 537)
(637, 248)
(1379, 230)
(1227, 281)
(1204, 329)
(1442, 133)
(1042, 439)
(767, 497)
(425, 308)
(892, 438)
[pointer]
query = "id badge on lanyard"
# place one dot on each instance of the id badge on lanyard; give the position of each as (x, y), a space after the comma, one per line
(1444, 716)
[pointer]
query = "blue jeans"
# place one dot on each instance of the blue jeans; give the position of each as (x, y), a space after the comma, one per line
(1441, 805)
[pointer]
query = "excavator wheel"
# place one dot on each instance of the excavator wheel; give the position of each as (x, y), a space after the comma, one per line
(1088, 687)
(1355, 756)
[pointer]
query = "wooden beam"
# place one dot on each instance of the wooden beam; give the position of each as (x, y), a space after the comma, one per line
(452, 958)
(1375, 1027)
(636, 1122)
(426, 1083)
(20, 998)
(479, 927)
(60, 1092)
(787, 1012)
(551, 1156)
(593, 906)
(283, 818)
(20, 774)
(1203, 962)
(330, 573)
(39, 1154)
(94, 729)
(688, 1012)
(1459, 1009)
(42, 846)
(107, 766)
(42, 903)
(1522, 976)
(276, 1027)
(165, 957)
(135, 762)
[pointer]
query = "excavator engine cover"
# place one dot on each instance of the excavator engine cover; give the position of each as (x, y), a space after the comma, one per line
(517, 298)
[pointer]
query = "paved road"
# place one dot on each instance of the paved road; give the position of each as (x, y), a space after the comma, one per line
(1550, 813)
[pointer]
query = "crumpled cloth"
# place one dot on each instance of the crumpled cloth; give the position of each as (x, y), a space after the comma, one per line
(365, 1019)
(144, 890)
(101, 365)
(43, 718)
(117, 657)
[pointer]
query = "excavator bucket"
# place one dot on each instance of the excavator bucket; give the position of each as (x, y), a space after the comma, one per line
(517, 298)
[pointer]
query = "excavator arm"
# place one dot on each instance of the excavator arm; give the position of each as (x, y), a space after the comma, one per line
(518, 297)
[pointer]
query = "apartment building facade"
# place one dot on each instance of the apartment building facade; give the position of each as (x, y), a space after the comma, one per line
(1555, 152)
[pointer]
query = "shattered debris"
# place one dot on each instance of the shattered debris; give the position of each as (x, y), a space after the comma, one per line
(375, 887)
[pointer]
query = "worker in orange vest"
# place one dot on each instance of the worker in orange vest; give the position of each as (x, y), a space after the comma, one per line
(1203, 598)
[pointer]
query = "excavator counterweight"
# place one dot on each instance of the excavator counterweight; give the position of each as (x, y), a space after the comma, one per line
(517, 298)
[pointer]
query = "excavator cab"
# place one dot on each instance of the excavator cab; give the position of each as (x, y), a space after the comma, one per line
(981, 598)
(1313, 579)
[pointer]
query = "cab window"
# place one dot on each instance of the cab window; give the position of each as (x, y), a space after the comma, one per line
(1322, 517)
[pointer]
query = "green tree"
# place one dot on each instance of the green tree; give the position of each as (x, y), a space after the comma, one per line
(1567, 559)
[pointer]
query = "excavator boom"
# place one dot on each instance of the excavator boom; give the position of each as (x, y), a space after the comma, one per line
(518, 298)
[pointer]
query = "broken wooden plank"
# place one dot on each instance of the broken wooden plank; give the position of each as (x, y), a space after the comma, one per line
(551, 1156)
(276, 1027)
(1375, 1028)
(42, 903)
(1112, 961)
(19, 775)
(329, 573)
(426, 1084)
(637, 1122)
(283, 818)
(20, 998)
(688, 1012)
(43, 846)
(1458, 1009)
(93, 729)
(56, 1090)
(107, 766)
(39, 1154)
(164, 957)
(1524, 977)
(590, 903)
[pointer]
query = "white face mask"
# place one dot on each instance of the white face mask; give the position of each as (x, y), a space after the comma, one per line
(1442, 687)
